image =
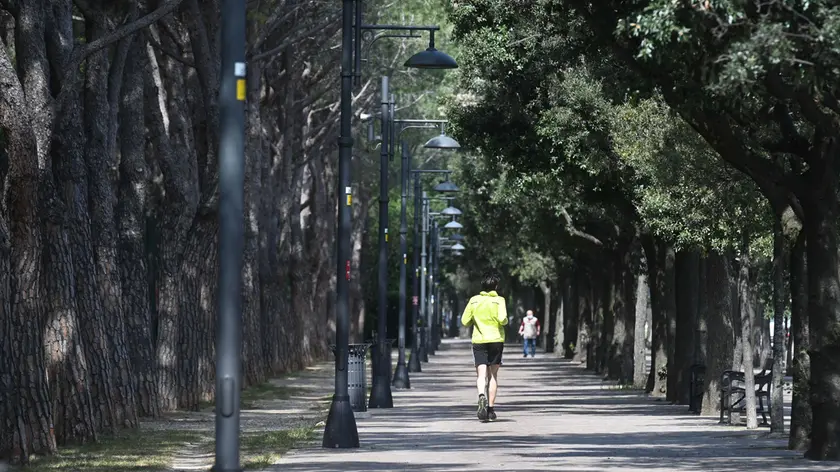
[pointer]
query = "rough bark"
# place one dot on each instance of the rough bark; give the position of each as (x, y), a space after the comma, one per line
(195, 353)
(584, 316)
(824, 318)
(747, 313)
(102, 166)
(28, 419)
(777, 400)
(254, 364)
(687, 287)
(660, 259)
(640, 351)
(703, 307)
(545, 288)
(131, 211)
(720, 328)
(571, 314)
(170, 131)
(621, 348)
(8, 394)
(801, 412)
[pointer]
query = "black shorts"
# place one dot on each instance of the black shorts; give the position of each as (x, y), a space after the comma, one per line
(488, 353)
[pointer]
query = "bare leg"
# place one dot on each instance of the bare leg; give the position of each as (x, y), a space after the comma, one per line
(494, 384)
(481, 381)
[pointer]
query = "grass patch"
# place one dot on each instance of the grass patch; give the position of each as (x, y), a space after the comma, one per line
(252, 396)
(128, 451)
(262, 449)
(267, 391)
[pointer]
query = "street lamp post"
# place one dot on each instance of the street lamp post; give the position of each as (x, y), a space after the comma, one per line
(380, 393)
(340, 430)
(417, 345)
(424, 306)
(231, 235)
(433, 289)
(394, 130)
(401, 377)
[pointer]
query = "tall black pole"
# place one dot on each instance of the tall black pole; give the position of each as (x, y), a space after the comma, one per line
(380, 392)
(435, 287)
(401, 378)
(417, 348)
(231, 234)
(340, 430)
(431, 307)
(424, 278)
(455, 320)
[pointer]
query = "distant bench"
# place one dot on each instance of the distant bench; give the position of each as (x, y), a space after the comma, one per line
(732, 384)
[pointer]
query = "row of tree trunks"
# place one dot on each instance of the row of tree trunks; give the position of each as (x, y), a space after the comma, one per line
(108, 229)
(703, 311)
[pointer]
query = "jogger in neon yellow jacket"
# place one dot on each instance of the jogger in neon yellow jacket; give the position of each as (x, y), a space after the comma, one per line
(487, 314)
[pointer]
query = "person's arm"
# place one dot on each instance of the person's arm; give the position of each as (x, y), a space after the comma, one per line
(538, 327)
(467, 317)
(503, 317)
(522, 327)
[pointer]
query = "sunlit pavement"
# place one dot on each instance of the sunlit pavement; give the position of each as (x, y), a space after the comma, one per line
(553, 416)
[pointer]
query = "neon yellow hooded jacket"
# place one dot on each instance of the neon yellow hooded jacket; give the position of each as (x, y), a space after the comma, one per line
(487, 313)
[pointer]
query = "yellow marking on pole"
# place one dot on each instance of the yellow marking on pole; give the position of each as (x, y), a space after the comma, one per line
(240, 89)
(349, 200)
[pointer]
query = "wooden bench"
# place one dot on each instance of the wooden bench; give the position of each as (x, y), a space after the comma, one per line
(732, 384)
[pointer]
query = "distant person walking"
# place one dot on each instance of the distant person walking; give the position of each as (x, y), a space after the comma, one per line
(487, 314)
(530, 331)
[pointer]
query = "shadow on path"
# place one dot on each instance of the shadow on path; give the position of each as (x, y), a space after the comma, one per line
(554, 416)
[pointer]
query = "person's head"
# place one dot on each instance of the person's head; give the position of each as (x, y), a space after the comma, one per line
(490, 281)
(529, 313)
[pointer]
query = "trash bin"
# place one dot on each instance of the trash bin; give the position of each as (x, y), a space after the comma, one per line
(356, 376)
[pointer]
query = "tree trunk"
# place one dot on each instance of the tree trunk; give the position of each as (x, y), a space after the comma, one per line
(747, 311)
(640, 367)
(8, 394)
(620, 357)
(254, 360)
(27, 419)
(606, 328)
(102, 164)
(571, 315)
(720, 325)
(198, 311)
(661, 276)
(601, 300)
(169, 130)
(548, 328)
(801, 417)
(687, 287)
(557, 330)
(584, 316)
(824, 317)
(131, 215)
(703, 306)
(777, 400)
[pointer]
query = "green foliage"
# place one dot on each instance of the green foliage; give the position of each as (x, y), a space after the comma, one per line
(748, 42)
(559, 131)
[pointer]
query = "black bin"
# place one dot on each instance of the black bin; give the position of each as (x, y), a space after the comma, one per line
(356, 378)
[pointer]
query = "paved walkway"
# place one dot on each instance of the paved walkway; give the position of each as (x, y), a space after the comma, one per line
(553, 416)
